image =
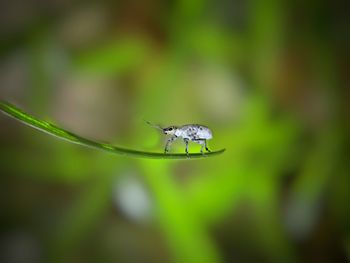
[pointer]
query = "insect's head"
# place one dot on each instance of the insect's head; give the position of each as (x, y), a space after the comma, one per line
(169, 130)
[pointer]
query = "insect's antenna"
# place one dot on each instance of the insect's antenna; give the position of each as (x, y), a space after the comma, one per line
(154, 126)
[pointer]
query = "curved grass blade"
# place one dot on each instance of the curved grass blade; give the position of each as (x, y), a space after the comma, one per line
(56, 131)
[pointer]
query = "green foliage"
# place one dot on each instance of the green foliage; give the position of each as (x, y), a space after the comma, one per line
(264, 81)
(73, 138)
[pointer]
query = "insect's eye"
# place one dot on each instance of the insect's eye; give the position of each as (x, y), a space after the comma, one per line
(170, 129)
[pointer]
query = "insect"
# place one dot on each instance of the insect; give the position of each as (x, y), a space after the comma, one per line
(190, 132)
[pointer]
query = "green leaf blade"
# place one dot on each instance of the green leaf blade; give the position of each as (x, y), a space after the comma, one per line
(63, 134)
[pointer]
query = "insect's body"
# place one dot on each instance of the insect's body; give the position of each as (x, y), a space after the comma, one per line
(193, 132)
(190, 132)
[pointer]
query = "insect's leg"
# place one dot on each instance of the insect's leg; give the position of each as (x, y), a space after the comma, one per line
(168, 143)
(186, 142)
(202, 148)
(206, 147)
(202, 143)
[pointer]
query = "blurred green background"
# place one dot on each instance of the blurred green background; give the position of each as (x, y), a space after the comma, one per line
(267, 77)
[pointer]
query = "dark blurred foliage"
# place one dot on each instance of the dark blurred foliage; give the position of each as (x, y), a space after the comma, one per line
(269, 77)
